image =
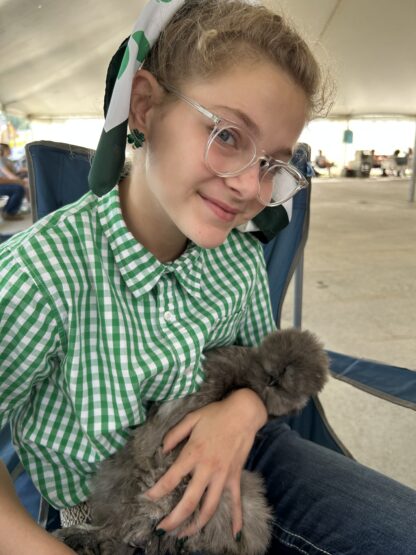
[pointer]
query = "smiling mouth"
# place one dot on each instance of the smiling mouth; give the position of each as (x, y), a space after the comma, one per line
(221, 210)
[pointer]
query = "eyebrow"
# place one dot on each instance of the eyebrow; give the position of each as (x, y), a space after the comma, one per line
(288, 152)
(244, 117)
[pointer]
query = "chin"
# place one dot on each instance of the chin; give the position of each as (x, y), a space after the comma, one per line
(210, 239)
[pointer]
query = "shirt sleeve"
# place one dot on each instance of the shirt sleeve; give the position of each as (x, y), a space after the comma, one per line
(29, 335)
(258, 320)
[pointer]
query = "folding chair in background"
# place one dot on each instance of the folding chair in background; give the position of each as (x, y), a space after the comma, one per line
(58, 175)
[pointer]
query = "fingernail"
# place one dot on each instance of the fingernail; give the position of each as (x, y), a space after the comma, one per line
(238, 537)
(160, 532)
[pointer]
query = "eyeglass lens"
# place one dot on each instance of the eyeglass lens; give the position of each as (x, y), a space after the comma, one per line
(277, 185)
(230, 151)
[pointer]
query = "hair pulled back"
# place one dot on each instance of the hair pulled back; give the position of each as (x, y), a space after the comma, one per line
(205, 37)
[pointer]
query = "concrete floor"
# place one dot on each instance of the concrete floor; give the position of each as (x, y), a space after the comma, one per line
(360, 299)
(7, 228)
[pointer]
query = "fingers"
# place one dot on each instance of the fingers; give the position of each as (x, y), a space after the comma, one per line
(199, 487)
(180, 432)
(186, 506)
(236, 508)
(211, 494)
(183, 465)
(210, 504)
(170, 480)
(207, 511)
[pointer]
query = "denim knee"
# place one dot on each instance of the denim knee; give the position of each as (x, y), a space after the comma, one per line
(325, 503)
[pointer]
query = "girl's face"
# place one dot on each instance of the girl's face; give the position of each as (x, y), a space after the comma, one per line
(183, 199)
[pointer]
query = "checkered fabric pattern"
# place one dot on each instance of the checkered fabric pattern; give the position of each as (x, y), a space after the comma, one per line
(93, 327)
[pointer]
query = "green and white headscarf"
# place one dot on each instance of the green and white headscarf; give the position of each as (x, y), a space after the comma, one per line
(109, 159)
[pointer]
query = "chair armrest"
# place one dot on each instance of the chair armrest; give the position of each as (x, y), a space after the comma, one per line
(392, 383)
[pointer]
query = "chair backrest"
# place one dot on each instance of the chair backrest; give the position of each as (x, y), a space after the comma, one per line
(284, 253)
(58, 175)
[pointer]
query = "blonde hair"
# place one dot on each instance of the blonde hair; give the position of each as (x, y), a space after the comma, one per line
(206, 37)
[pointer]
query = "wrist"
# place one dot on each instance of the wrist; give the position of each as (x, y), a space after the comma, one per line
(253, 407)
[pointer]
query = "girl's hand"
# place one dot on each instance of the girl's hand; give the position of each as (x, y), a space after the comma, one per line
(220, 438)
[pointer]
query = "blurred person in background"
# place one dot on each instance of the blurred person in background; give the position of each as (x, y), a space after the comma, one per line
(322, 162)
(13, 180)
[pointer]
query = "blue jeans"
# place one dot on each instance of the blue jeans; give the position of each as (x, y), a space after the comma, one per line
(15, 192)
(327, 504)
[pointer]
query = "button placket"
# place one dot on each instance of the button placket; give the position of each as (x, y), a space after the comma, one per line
(166, 307)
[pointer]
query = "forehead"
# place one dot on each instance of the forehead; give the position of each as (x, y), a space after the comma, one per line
(262, 97)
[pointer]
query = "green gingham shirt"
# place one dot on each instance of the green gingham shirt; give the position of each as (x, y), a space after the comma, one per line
(93, 327)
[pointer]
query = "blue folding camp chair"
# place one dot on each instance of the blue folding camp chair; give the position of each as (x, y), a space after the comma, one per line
(58, 175)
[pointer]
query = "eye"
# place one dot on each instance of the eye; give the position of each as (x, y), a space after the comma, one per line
(227, 137)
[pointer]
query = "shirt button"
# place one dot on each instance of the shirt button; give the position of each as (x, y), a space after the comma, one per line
(168, 316)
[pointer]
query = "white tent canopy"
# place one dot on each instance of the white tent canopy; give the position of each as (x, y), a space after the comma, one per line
(55, 52)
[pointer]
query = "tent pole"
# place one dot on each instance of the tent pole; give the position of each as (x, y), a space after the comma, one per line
(413, 176)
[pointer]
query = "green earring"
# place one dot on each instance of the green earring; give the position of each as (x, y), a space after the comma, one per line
(136, 138)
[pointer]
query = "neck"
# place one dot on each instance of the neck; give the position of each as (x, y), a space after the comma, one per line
(148, 224)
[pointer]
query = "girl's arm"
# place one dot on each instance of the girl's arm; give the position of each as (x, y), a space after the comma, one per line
(24, 352)
(19, 534)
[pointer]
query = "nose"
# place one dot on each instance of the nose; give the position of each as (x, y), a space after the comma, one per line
(246, 183)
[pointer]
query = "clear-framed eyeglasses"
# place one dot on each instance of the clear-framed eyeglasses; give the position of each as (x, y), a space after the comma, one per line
(231, 150)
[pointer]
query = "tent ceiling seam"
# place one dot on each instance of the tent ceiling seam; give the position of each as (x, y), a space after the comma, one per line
(330, 18)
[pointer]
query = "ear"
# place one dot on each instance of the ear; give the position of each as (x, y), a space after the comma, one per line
(146, 94)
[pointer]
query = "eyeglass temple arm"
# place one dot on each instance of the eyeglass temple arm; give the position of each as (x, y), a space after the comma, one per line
(194, 104)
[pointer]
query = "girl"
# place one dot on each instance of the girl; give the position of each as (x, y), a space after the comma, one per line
(108, 304)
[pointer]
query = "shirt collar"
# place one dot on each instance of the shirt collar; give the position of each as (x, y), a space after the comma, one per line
(188, 269)
(140, 269)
